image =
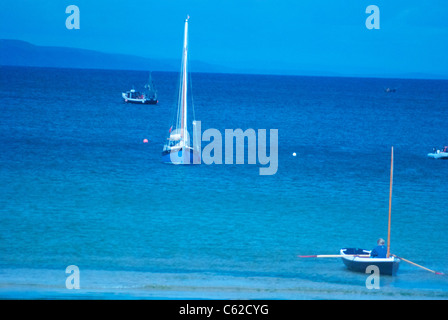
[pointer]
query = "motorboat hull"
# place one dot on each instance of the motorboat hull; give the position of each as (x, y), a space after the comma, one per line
(439, 155)
(141, 101)
(138, 99)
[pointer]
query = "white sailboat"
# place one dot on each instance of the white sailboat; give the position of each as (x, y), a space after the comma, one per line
(177, 149)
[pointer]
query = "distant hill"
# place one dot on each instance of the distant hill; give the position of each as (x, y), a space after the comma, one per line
(22, 53)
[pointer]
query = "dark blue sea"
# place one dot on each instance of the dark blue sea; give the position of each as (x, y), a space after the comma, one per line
(79, 187)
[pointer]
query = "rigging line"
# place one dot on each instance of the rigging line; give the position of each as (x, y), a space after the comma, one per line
(190, 80)
(190, 86)
(176, 110)
(173, 119)
(191, 95)
(190, 77)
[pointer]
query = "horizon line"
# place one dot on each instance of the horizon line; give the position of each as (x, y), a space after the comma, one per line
(234, 73)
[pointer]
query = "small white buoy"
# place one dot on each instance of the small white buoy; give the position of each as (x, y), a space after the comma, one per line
(145, 140)
(294, 154)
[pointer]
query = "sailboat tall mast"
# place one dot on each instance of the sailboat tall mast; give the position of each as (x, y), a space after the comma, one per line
(184, 86)
(177, 149)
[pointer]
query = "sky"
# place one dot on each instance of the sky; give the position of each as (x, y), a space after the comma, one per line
(327, 37)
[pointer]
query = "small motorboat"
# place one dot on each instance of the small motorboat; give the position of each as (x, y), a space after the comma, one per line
(133, 96)
(437, 154)
(359, 259)
(149, 96)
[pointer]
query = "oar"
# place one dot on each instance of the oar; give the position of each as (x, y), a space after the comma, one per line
(335, 256)
(417, 265)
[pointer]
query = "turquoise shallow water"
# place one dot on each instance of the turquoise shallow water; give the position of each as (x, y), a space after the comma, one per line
(80, 188)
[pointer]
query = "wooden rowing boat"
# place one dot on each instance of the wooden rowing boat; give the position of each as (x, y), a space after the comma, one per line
(359, 260)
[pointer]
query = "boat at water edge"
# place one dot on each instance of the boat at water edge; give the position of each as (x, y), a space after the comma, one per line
(359, 260)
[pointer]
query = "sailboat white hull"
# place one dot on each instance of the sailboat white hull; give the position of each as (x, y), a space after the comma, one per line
(184, 155)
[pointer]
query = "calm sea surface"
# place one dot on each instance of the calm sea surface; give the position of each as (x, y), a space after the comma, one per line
(79, 187)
